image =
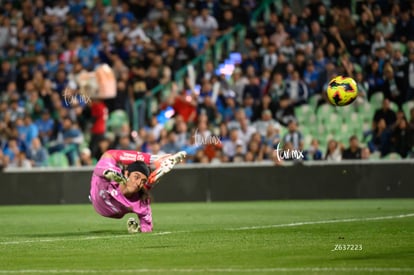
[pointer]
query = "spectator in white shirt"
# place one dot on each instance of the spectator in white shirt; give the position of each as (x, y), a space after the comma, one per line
(5, 32)
(59, 10)
(246, 130)
(206, 23)
(263, 123)
(134, 31)
(230, 146)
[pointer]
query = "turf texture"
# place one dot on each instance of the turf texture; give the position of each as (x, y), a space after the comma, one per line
(263, 237)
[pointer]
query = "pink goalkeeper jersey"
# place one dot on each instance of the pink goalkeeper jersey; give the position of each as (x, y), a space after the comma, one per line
(109, 201)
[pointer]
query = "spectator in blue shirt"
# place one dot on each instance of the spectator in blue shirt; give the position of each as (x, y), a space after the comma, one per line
(311, 77)
(11, 150)
(171, 146)
(52, 65)
(37, 154)
(227, 113)
(61, 82)
(87, 53)
(253, 88)
(45, 126)
(76, 6)
(313, 153)
(27, 130)
(72, 138)
(124, 13)
(198, 40)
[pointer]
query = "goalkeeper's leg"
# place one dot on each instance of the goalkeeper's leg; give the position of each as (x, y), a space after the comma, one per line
(163, 165)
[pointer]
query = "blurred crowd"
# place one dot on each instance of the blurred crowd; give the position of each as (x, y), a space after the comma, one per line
(287, 59)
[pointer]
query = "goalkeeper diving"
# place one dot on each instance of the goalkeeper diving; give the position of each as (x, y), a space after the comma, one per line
(116, 190)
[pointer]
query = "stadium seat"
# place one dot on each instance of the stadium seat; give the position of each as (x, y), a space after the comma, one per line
(345, 128)
(353, 120)
(308, 120)
(320, 130)
(313, 101)
(394, 106)
(393, 156)
(313, 130)
(366, 112)
(116, 119)
(302, 111)
(342, 136)
(58, 159)
(334, 118)
(323, 113)
(329, 137)
(307, 140)
(375, 155)
(376, 99)
(364, 107)
(282, 131)
(333, 124)
(345, 111)
(325, 109)
(407, 106)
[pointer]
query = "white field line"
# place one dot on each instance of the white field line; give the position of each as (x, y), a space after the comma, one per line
(229, 229)
(79, 239)
(213, 270)
(323, 222)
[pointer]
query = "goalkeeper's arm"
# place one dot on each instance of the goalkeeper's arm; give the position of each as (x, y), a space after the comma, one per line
(107, 167)
(126, 157)
(113, 175)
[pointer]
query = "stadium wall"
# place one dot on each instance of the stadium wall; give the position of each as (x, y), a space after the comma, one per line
(317, 180)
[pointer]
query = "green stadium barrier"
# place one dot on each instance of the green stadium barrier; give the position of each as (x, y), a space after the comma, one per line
(227, 182)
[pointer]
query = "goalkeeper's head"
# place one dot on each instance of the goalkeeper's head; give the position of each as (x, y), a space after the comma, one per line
(137, 174)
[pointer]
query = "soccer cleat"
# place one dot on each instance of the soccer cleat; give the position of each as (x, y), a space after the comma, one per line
(133, 226)
(163, 165)
(115, 176)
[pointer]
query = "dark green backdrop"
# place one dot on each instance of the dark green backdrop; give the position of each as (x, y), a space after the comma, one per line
(225, 183)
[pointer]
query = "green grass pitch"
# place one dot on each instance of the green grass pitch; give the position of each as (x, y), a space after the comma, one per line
(264, 237)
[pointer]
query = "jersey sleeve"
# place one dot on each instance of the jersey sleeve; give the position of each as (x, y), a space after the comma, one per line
(126, 157)
(104, 164)
(112, 159)
(145, 216)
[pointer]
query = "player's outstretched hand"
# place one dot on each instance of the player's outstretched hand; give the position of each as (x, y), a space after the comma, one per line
(115, 176)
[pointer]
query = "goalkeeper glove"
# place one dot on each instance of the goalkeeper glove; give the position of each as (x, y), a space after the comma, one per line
(133, 226)
(115, 176)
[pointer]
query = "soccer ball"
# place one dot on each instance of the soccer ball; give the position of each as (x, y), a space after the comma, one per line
(342, 91)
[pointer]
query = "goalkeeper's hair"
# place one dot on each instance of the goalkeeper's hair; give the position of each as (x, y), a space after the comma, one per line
(139, 166)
